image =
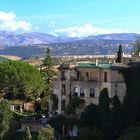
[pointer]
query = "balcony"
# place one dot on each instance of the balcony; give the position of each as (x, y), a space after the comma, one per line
(88, 79)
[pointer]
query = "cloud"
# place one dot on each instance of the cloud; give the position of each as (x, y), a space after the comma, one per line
(84, 31)
(9, 22)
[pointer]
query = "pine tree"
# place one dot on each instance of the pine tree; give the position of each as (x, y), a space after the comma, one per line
(48, 73)
(27, 134)
(119, 55)
(47, 70)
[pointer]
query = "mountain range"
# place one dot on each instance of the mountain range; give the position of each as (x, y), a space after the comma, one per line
(35, 44)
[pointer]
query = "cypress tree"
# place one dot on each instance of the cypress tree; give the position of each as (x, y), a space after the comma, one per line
(119, 55)
(104, 103)
(116, 118)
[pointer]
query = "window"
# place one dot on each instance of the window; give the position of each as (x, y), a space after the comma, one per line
(78, 75)
(82, 92)
(63, 89)
(63, 103)
(92, 92)
(75, 91)
(63, 75)
(87, 75)
(90, 74)
(105, 76)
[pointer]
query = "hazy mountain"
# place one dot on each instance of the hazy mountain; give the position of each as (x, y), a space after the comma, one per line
(13, 39)
(35, 44)
(117, 36)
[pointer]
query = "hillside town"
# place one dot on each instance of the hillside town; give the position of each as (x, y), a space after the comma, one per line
(70, 88)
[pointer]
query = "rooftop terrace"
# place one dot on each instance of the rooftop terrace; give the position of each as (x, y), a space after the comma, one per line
(93, 65)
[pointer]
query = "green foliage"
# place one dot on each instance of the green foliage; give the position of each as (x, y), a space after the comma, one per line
(87, 133)
(47, 71)
(116, 118)
(90, 117)
(104, 101)
(48, 61)
(74, 103)
(44, 104)
(5, 117)
(57, 122)
(46, 133)
(119, 55)
(19, 80)
(131, 103)
(104, 108)
(27, 134)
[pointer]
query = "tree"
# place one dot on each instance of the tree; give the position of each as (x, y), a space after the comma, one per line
(74, 103)
(58, 122)
(131, 103)
(137, 49)
(48, 74)
(5, 117)
(91, 117)
(27, 134)
(104, 101)
(119, 55)
(44, 104)
(20, 80)
(116, 118)
(47, 70)
(104, 108)
(46, 133)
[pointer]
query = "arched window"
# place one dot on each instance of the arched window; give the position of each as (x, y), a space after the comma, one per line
(82, 94)
(92, 92)
(105, 76)
(75, 91)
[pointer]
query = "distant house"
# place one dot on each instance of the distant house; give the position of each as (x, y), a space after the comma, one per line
(20, 106)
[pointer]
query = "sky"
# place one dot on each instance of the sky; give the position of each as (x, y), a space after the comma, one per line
(74, 18)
